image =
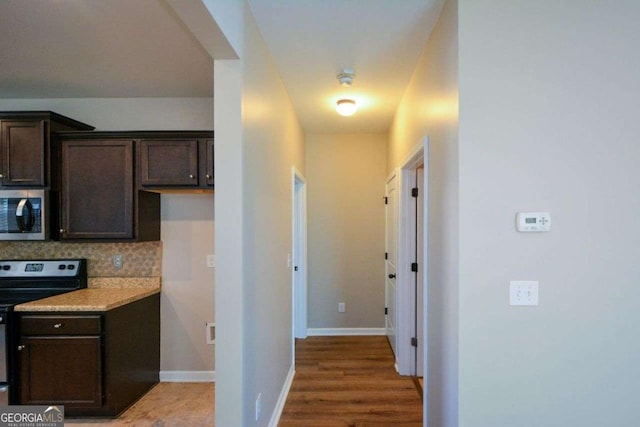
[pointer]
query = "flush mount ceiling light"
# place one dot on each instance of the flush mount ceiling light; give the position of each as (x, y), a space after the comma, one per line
(346, 107)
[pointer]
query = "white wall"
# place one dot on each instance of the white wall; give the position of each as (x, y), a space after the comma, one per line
(187, 227)
(187, 285)
(345, 186)
(229, 274)
(126, 113)
(258, 140)
(430, 108)
(549, 122)
(273, 142)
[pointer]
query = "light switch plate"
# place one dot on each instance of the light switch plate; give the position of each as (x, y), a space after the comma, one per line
(211, 261)
(523, 292)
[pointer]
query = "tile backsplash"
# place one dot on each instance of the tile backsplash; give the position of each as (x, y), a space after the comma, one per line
(139, 259)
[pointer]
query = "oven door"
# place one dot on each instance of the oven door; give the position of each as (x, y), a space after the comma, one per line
(22, 214)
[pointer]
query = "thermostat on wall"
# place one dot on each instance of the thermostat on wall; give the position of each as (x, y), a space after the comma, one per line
(533, 222)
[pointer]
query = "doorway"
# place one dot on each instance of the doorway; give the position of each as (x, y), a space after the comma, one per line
(299, 259)
(411, 263)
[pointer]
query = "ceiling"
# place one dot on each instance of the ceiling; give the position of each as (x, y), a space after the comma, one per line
(125, 48)
(107, 48)
(313, 40)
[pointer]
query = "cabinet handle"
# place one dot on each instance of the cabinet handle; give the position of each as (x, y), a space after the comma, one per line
(1, 175)
(58, 325)
(21, 347)
(62, 230)
(208, 176)
(191, 176)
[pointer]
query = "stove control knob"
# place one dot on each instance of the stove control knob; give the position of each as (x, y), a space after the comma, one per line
(71, 267)
(6, 267)
(62, 267)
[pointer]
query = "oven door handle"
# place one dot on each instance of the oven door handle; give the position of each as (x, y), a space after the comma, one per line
(24, 215)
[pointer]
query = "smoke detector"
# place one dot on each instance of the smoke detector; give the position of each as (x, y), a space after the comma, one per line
(346, 77)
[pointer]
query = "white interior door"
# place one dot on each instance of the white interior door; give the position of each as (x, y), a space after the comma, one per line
(419, 306)
(391, 255)
(412, 266)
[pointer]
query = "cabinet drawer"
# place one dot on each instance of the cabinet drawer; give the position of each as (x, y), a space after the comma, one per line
(60, 325)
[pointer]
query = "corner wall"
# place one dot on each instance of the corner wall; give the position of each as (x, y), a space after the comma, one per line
(430, 108)
(258, 140)
(549, 122)
(345, 185)
(273, 142)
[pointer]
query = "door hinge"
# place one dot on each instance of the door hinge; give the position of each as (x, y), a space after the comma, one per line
(414, 342)
(386, 200)
(414, 192)
(414, 267)
(386, 255)
(386, 311)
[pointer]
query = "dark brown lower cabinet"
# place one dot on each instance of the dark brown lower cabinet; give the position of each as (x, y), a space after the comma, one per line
(62, 370)
(95, 364)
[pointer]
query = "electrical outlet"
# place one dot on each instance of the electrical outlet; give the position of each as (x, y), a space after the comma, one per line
(258, 406)
(341, 307)
(118, 260)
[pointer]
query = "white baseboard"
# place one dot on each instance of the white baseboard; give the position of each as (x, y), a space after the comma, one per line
(187, 376)
(320, 332)
(282, 399)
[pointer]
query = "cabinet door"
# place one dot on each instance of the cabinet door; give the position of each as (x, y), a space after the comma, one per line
(206, 162)
(97, 189)
(61, 371)
(166, 163)
(23, 153)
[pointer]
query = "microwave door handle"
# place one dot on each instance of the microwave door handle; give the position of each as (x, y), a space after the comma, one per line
(24, 209)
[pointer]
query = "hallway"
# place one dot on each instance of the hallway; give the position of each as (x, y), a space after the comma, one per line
(349, 381)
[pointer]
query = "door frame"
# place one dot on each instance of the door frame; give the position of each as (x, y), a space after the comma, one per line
(299, 257)
(406, 297)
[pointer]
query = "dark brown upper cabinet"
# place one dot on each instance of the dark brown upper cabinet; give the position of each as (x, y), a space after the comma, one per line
(168, 162)
(99, 199)
(175, 160)
(26, 153)
(206, 162)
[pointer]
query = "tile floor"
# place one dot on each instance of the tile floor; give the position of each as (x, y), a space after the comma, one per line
(166, 405)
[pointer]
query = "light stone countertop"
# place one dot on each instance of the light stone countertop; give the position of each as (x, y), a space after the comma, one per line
(90, 299)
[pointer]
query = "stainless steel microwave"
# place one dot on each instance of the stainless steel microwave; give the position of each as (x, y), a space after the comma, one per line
(23, 215)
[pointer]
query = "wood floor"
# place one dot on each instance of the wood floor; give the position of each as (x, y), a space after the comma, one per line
(340, 381)
(349, 381)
